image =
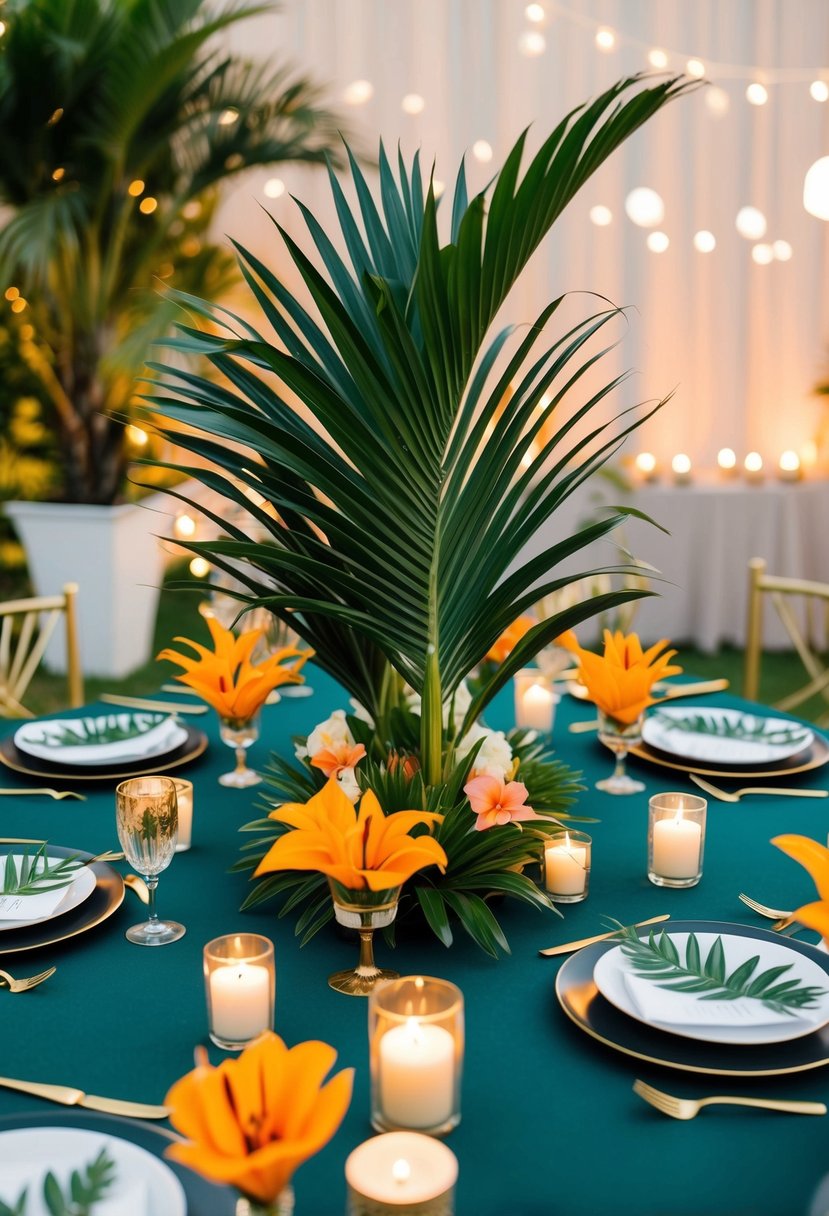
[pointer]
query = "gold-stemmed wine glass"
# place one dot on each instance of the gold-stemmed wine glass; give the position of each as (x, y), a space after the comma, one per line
(620, 737)
(240, 734)
(146, 816)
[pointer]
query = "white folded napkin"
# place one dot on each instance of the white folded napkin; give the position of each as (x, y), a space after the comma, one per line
(165, 736)
(672, 1008)
(29, 907)
(128, 1198)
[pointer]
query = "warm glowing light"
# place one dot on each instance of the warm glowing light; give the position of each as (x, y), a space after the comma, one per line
(809, 453)
(782, 250)
(199, 567)
(438, 186)
(695, 67)
(192, 210)
(645, 207)
(605, 39)
(704, 241)
(12, 293)
(727, 459)
(358, 92)
(401, 1171)
(532, 43)
(58, 174)
(137, 436)
(482, 151)
(718, 101)
(762, 254)
(681, 466)
(135, 188)
(819, 90)
(646, 463)
(274, 187)
(185, 526)
(19, 304)
(757, 94)
(816, 189)
(751, 223)
(657, 59)
(27, 332)
(413, 103)
(753, 463)
(55, 116)
(148, 204)
(601, 216)
(657, 242)
(191, 246)
(789, 461)
(228, 117)
(2, 28)
(535, 13)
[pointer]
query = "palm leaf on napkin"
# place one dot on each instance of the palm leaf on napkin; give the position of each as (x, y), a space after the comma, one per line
(745, 727)
(32, 878)
(79, 732)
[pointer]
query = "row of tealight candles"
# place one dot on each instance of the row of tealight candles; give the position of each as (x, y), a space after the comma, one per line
(789, 467)
(676, 841)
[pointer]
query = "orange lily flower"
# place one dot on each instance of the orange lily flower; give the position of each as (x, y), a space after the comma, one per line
(814, 857)
(509, 639)
(497, 802)
(226, 678)
(252, 1121)
(332, 760)
(362, 850)
(620, 681)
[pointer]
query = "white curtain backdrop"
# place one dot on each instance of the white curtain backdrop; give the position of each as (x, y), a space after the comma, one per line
(742, 344)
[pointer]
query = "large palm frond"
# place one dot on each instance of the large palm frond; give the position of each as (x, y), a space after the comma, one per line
(399, 517)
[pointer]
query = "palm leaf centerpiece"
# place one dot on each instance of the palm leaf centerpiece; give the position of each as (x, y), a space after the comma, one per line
(427, 455)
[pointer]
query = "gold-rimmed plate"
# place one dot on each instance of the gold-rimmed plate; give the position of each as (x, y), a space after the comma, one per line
(104, 900)
(584, 1005)
(192, 747)
(816, 757)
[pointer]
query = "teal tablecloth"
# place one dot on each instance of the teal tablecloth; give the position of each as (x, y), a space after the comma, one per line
(550, 1125)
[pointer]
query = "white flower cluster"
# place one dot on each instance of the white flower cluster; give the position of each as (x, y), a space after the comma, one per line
(494, 759)
(326, 735)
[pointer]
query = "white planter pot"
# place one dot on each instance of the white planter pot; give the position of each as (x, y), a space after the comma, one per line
(114, 556)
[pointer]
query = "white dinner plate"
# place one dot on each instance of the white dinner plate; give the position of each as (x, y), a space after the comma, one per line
(82, 886)
(613, 969)
(724, 736)
(72, 741)
(144, 1185)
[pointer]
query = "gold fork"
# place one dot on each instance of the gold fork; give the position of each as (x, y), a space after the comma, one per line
(56, 794)
(24, 985)
(688, 1108)
(736, 795)
(763, 909)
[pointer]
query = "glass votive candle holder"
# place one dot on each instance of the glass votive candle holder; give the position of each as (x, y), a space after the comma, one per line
(535, 700)
(566, 866)
(676, 839)
(416, 1042)
(184, 795)
(240, 985)
(401, 1174)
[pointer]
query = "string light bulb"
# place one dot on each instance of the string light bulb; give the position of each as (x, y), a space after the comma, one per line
(136, 187)
(532, 43)
(601, 216)
(11, 293)
(658, 59)
(695, 67)
(789, 466)
(645, 207)
(816, 189)
(819, 90)
(762, 254)
(718, 101)
(413, 103)
(274, 187)
(199, 567)
(727, 461)
(18, 305)
(753, 465)
(535, 13)
(358, 92)
(757, 94)
(645, 463)
(58, 174)
(681, 468)
(148, 205)
(751, 223)
(657, 242)
(482, 151)
(782, 250)
(605, 39)
(704, 241)
(185, 526)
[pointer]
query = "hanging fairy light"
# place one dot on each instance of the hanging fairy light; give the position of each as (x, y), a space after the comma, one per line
(727, 462)
(482, 151)
(646, 465)
(274, 187)
(762, 254)
(358, 92)
(753, 465)
(605, 39)
(695, 67)
(658, 59)
(718, 101)
(782, 250)
(819, 90)
(601, 216)
(816, 189)
(657, 242)
(413, 103)
(199, 567)
(645, 207)
(751, 223)
(535, 13)
(185, 526)
(757, 94)
(704, 241)
(532, 43)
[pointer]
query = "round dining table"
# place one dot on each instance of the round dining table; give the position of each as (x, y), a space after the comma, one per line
(550, 1125)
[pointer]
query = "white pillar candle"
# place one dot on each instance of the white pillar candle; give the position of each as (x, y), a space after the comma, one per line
(399, 1171)
(184, 798)
(676, 847)
(417, 1074)
(535, 708)
(240, 1002)
(565, 867)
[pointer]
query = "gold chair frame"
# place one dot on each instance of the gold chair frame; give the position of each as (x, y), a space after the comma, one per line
(779, 591)
(21, 652)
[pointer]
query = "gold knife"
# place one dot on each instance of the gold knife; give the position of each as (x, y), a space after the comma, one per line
(169, 707)
(76, 1097)
(569, 947)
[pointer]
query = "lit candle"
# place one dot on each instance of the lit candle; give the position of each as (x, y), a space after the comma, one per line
(401, 1172)
(417, 1074)
(676, 847)
(565, 867)
(681, 465)
(535, 708)
(240, 1002)
(789, 469)
(727, 462)
(753, 465)
(646, 465)
(184, 799)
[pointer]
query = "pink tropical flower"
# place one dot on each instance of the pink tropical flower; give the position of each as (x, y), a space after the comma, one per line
(496, 802)
(335, 759)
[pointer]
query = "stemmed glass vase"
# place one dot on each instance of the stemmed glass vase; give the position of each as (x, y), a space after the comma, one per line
(146, 817)
(364, 911)
(240, 734)
(620, 737)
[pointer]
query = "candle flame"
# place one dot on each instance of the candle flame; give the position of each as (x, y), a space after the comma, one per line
(567, 841)
(415, 1031)
(678, 816)
(401, 1171)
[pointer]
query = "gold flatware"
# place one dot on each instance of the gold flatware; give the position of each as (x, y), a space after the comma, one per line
(672, 694)
(138, 887)
(169, 707)
(31, 981)
(76, 1097)
(57, 794)
(109, 855)
(570, 947)
(688, 1108)
(763, 909)
(736, 795)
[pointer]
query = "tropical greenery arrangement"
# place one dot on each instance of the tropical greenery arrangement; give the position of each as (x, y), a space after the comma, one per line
(120, 122)
(395, 515)
(78, 1197)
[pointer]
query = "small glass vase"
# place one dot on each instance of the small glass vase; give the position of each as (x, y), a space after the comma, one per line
(620, 737)
(283, 1205)
(240, 734)
(364, 911)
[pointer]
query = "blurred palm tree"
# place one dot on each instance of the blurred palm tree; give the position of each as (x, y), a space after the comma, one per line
(120, 121)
